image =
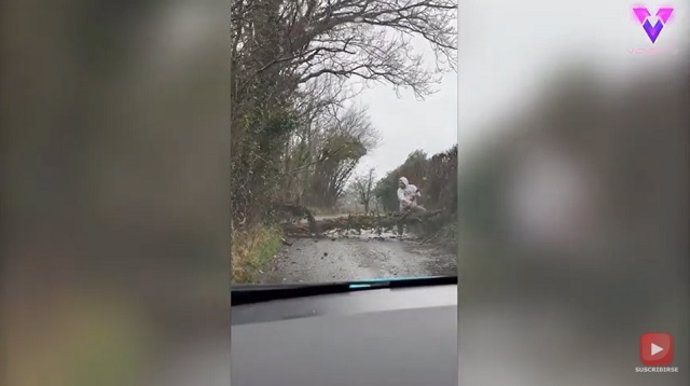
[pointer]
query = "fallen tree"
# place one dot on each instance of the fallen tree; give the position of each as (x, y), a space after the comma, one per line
(359, 223)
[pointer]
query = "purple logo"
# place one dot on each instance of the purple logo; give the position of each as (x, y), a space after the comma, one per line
(642, 14)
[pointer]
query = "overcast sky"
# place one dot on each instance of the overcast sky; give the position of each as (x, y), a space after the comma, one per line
(509, 50)
(406, 124)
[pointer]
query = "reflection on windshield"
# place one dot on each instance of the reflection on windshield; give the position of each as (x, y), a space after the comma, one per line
(344, 155)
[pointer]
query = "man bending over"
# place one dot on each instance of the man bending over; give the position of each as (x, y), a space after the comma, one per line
(407, 196)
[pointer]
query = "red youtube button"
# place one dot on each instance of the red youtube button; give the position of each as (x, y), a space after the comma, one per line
(656, 349)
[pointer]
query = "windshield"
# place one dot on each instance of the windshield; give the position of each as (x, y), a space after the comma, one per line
(344, 141)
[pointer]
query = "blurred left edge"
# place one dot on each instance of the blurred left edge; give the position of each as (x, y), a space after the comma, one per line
(114, 212)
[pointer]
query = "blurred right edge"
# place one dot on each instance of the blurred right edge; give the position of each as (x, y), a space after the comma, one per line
(573, 239)
(573, 234)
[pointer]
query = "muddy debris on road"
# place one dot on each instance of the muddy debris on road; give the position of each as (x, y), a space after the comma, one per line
(357, 257)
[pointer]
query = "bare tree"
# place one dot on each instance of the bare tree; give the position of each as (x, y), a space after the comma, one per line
(346, 138)
(284, 44)
(364, 187)
(366, 39)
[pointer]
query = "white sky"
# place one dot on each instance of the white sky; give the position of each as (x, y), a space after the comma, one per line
(508, 51)
(406, 124)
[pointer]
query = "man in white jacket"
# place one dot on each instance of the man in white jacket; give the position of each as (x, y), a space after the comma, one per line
(407, 196)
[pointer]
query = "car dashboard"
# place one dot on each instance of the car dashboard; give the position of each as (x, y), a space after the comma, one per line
(403, 336)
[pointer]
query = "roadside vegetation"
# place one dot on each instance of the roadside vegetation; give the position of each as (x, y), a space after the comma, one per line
(252, 250)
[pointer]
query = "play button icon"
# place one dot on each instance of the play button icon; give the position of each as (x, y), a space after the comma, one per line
(656, 349)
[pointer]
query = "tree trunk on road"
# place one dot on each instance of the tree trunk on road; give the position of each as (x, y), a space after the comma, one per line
(362, 222)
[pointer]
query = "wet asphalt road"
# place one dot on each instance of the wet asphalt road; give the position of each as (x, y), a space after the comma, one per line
(347, 258)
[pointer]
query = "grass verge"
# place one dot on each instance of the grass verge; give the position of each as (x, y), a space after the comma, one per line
(252, 251)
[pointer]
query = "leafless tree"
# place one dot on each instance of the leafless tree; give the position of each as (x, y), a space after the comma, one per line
(364, 187)
(346, 138)
(367, 39)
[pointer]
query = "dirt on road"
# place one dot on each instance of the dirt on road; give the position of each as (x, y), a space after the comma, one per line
(356, 257)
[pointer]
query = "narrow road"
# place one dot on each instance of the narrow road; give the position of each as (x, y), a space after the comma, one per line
(356, 257)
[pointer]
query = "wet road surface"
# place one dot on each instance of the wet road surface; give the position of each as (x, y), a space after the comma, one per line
(356, 257)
